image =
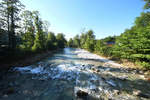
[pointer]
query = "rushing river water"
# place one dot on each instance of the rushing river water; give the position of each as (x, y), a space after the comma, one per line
(71, 75)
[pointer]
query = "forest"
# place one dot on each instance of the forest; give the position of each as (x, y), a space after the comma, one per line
(23, 32)
(133, 44)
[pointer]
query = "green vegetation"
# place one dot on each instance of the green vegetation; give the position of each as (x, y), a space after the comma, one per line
(24, 33)
(133, 44)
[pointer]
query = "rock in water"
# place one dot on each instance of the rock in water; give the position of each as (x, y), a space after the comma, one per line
(116, 92)
(140, 94)
(81, 94)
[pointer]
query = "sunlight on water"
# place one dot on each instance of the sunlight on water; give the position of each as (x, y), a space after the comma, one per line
(68, 72)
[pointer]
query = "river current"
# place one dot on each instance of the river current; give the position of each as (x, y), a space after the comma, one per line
(62, 75)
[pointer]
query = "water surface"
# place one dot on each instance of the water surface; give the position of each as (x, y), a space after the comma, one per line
(62, 75)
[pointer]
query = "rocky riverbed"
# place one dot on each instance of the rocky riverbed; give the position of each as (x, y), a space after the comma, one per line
(74, 74)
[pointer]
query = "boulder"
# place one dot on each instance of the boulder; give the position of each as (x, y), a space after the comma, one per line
(97, 70)
(116, 92)
(81, 94)
(93, 69)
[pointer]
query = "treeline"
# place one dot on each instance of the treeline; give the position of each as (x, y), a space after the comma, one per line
(24, 32)
(133, 44)
(87, 41)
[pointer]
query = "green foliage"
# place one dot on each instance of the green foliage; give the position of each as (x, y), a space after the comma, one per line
(134, 43)
(90, 41)
(28, 39)
(51, 41)
(147, 4)
(83, 38)
(99, 47)
(86, 41)
(61, 41)
(40, 40)
(76, 41)
(70, 43)
(9, 17)
(89, 44)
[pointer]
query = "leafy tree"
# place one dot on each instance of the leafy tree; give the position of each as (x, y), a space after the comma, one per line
(83, 38)
(99, 47)
(40, 41)
(28, 38)
(147, 4)
(90, 41)
(70, 43)
(134, 44)
(28, 29)
(46, 26)
(76, 41)
(10, 10)
(27, 20)
(61, 41)
(51, 41)
(124, 44)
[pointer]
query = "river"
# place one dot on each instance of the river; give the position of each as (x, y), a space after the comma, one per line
(73, 74)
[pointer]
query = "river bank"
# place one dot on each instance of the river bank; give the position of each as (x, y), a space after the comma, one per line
(29, 59)
(114, 63)
(117, 62)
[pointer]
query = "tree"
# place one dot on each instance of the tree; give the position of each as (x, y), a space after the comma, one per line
(46, 26)
(147, 4)
(83, 38)
(40, 41)
(90, 41)
(27, 20)
(10, 10)
(70, 43)
(28, 38)
(28, 29)
(76, 41)
(61, 41)
(51, 41)
(99, 47)
(134, 43)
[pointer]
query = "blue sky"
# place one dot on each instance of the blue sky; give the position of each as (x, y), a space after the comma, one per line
(105, 17)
